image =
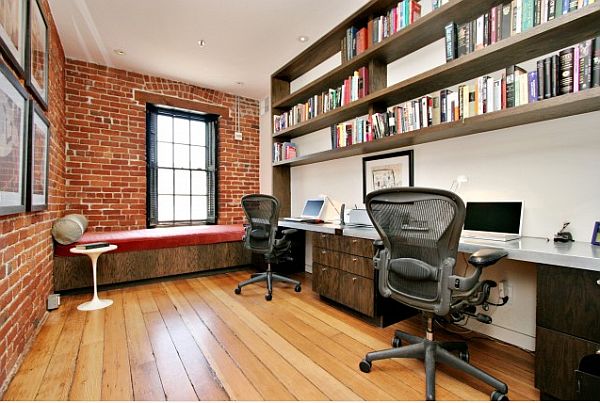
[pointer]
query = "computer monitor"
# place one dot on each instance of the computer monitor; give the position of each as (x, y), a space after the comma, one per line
(495, 220)
(313, 208)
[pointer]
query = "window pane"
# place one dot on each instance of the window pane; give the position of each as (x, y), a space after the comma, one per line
(182, 156)
(199, 210)
(199, 183)
(165, 128)
(181, 131)
(182, 182)
(198, 133)
(165, 181)
(165, 154)
(198, 157)
(182, 208)
(165, 208)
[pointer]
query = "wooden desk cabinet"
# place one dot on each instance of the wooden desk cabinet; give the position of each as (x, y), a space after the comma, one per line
(343, 272)
(568, 312)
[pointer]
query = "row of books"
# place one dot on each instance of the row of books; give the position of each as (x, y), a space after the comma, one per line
(435, 4)
(354, 87)
(574, 69)
(358, 40)
(503, 21)
(284, 151)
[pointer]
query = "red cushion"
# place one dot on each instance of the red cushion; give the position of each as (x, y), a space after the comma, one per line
(157, 238)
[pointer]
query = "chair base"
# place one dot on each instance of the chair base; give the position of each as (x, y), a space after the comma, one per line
(269, 277)
(433, 352)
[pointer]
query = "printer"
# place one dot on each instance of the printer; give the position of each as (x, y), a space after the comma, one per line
(359, 217)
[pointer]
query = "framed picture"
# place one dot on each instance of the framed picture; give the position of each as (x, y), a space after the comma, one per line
(37, 53)
(13, 20)
(13, 143)
(387, 171)
(596, 234)
(39, 144)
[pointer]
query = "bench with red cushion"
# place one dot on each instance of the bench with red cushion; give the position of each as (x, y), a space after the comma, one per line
(158, 238)
(150, 253)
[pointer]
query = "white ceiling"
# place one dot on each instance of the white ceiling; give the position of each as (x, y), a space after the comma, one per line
(246, 40)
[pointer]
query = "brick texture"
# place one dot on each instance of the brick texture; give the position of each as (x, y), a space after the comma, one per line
(106, 145)
(25, 239)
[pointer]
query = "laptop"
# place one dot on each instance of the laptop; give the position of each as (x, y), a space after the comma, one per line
(312, 212)
(493, 220)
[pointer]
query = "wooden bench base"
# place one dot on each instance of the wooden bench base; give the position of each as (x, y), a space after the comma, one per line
(74, 271)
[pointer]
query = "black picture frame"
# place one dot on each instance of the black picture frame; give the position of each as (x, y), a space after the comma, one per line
(399, 170)
(596, 234)
(37, 25)
(38, 161)
(14, 109)
(15, 53)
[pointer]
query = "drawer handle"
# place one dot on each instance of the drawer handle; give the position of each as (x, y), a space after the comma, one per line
(598, 281)
(324, 269)
(354, 240)
(353, 279)
(354, 259)
(323, 251)
(323, 235)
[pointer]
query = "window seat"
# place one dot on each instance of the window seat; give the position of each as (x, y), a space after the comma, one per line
(151, 253)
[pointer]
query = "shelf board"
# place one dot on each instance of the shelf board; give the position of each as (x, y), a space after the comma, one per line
(540, 40)
(424, 31)
(548, 109)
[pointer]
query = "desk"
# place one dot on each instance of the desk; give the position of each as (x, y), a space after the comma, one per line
(568, 293)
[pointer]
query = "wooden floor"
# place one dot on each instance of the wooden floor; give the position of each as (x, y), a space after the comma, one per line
(189, 339)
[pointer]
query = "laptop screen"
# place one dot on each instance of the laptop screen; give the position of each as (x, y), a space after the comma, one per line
(503, 217)
(312, 208)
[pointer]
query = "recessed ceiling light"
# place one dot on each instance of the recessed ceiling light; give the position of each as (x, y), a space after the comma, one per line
(119, 52)
(303, 38)
(202, 43)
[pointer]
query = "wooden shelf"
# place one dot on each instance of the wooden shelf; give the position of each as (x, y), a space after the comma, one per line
(423, 32)
(553, 108)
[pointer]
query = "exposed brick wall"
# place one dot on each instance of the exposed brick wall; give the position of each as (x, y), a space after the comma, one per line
(25, 239)
(106, 145)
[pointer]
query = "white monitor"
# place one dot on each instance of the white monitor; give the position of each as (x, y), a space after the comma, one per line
(495, 220)
(314, 208)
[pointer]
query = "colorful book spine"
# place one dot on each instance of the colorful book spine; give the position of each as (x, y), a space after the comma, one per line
(596, 63)
(527, 14)
(451, 41)
(532, 86)
(566, 71)
(585, 64)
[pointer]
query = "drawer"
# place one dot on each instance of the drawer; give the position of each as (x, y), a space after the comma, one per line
(354, 246)
(350, 263)
(568, 300)
(356, 292)
(557, 356)
(326, 281)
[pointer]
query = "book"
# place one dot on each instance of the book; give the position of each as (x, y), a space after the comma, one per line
(490, 95)
(95, 245)
(479, 32)
(572, 5)
(527, 14)
(486, 29)
(565, 6)
(596, 63)
(451, 41)
(532, 86)
(511, 87)
(559, 8)
(498, 94)
(523, 89)
(555, 75)
(463, 34)
(540, 79)
(506, 16)
(472, 101)
(494, 24)
(444, 105)
(518, 16)
(566, 71)
(575, 68)
(551, 9)
(585, 64)
(537, 20)
(435, 110)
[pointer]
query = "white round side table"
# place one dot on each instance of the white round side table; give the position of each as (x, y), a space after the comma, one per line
(93, 254)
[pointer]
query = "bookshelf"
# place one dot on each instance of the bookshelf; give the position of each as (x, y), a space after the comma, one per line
(551, 36)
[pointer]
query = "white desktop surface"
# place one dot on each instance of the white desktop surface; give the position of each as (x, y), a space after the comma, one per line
(580, 255)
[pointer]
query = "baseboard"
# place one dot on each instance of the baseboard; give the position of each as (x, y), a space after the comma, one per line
(509, 336)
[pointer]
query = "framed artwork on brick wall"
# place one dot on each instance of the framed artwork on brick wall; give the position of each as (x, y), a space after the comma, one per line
(37, 53)
(13, 20)
(38, 151)
(13, 143)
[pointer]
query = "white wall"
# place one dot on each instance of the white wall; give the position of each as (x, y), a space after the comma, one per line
(552, 166)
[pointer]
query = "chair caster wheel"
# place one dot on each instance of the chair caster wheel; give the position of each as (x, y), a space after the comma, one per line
(465, 356)
(298, 288)
(238, 291)
(396, 342)
(496, 395)
(365, 366)
(268, 297)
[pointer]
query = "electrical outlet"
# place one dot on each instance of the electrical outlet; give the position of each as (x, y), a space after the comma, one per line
(505, 290)
(237, 135)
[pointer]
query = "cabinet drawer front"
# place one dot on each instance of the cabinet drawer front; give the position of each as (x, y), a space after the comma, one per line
(568, 300)
(327, 257)
(357, 265)
(356, 292)
(354, 246)
(326, 281)
(557, 356)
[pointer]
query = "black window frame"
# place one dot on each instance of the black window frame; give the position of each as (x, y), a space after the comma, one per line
(212, 136)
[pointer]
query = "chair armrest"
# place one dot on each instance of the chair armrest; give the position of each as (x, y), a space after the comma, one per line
(486, 257)
(289, 231)
(378, 244)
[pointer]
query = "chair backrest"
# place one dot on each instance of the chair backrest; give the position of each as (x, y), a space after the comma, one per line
(262, 212)
(420, 229)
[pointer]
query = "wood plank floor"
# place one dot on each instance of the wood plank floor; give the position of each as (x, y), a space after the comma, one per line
(194, 339)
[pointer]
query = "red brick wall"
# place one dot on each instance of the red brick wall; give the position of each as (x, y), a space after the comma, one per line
(25, 239)
(106, 145)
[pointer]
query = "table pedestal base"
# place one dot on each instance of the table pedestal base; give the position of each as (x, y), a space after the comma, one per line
(94, 304)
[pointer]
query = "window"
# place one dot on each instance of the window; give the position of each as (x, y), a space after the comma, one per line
(181, 167)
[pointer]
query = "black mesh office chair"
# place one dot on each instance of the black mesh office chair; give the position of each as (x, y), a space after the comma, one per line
(262, 212)
(420, 231)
